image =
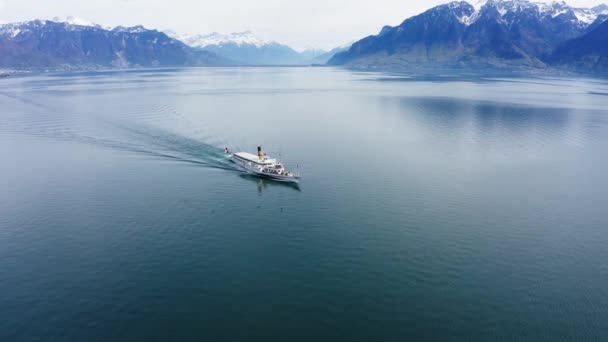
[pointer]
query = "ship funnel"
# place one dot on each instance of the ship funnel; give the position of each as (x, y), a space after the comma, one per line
(260, 155)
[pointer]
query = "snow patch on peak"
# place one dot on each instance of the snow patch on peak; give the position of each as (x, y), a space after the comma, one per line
(134, 29)
(585, 16)
(218, 39)
(469, 20)
(554, 9)
(478, 4)
(12, 30)
(70, 20)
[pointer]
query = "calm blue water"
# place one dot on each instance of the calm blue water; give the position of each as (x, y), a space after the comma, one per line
(442, 208)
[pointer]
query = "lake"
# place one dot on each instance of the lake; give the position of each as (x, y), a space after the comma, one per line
(450, 207)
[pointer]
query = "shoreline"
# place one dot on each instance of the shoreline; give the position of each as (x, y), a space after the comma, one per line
(440, 72)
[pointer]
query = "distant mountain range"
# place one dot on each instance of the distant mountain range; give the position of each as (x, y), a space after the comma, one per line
(493, 33)
(323, 58)
(72, 44)
(75, 43)
(246, 48)
(505, 34)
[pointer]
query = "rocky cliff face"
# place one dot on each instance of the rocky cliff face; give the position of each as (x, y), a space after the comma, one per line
(588, 52)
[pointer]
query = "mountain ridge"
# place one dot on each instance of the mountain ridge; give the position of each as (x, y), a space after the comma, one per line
(496, 33)
(246, 48)
(588, 52)
(489, 33)
(49, 44)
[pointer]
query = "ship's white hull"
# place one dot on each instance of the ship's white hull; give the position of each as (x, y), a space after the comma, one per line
(257, 170)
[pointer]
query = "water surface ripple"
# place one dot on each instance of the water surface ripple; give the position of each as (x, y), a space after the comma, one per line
(431, 208)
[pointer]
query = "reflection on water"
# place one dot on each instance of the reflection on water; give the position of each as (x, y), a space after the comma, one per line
(264, 184)
(489, 119)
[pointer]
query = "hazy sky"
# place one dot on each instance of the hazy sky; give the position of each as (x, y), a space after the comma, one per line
(301, 24)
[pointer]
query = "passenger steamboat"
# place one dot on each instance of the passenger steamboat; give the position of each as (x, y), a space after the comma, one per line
(263, 166)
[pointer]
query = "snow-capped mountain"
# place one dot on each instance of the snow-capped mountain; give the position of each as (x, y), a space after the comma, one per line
(509, 9)
(218, 39)
(246, 48)
(74, 43)
(491, 32)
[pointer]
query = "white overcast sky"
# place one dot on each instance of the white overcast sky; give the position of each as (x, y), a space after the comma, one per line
(300, 24)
